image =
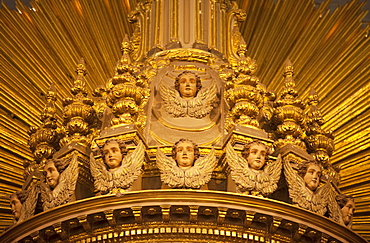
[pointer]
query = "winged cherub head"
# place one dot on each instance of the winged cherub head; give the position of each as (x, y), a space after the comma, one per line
(347, 206)
(185, 152)
(310, 171)
(113, 151)
(256, 154)
(16, 201)
(188, 84)
(52, 170)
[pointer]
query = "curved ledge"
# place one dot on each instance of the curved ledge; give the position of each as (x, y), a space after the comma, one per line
(197, 198)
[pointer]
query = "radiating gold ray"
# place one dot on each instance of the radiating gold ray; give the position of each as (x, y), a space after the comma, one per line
(42, 46)
(329, 51)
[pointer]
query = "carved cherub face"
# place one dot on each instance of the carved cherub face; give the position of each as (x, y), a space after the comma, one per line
(312, 176)
(185, 155)
(257, 156)
(15, 206)
(112, 155)
(347, 211)
(51, 174)
(188, 84)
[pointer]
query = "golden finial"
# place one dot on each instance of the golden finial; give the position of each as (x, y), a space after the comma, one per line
(44, 140)
(320, 143)
(288, 69)
(79, 115)
(243, 96)
(80, 83)
(289, 112)
(127, 89)
(313, 98)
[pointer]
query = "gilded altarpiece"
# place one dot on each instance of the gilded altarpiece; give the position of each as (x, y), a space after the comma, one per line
(183, 143)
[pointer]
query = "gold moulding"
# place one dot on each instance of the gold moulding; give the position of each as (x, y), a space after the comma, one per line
(143, 206)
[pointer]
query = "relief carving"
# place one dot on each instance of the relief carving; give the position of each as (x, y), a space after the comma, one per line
(115, 169)
(17, 199)
(347, 207)
(251, 171)
(185, 168)
(59, 182)
(304, 187)
(189, 98)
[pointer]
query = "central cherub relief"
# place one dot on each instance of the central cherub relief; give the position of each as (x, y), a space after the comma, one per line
(189, 98)
(115, 170)
(186, 169)
(251, 171)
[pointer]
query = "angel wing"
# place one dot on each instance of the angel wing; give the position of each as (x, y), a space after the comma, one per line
(240, 172)
(333, 207)
(64, 191)
(103, 179)
(320, 199)
(301, 195)
(29, 206)
(201, 172)
(171, 174)
(173, 103)
(267, 181)
(203, 103)
(129, 171)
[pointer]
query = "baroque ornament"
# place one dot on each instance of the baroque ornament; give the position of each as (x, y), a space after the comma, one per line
(106, 181)
(79, 114)
(124, 163)
(258, 182)
(128, 91)
(195, 175)
(63, 189)
(44, 140)
(289, 112)
(244, 96)
(305, 192)
(197, 106)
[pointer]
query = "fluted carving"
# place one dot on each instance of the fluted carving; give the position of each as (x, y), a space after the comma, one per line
(320, 143)
(243, 95)
(289, 112)
(79, 114)
(128, 92)
(44, 140)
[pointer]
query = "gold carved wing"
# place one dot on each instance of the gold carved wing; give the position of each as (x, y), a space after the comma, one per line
(65, 189)
(29, 206)
(173, 103)
(303, 196)
(198, 107)
(201, 172)
(335, 212)
(267, 183)
(171, 174)
(131, 168)
(203, 103)
(257, 183)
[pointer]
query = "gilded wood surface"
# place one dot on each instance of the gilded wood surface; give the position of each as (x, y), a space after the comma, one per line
(329, 50)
